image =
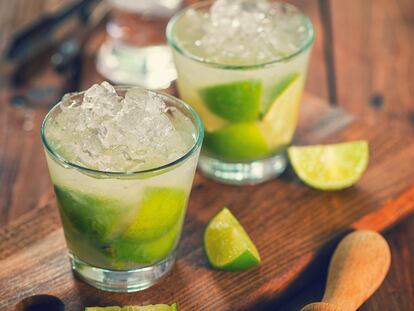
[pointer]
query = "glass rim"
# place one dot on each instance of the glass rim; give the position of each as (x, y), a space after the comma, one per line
(197, 143)
(172, 41)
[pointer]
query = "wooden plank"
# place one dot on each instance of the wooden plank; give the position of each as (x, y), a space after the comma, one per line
(30, 227)
(373, 48)
(289, 222)
(17, 141)
(326, 22)
(397, 292)
(19, 13)
(390, 213)
(23, 171)
(23, 178)
(317, 80)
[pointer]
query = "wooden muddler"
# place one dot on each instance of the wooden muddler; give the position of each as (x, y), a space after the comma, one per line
(357, 269)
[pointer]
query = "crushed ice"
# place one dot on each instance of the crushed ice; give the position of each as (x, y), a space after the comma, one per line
(239, 32)
(109, 132)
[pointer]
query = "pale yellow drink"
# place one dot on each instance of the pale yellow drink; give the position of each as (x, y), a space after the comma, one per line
(122, 162)
(248, 104)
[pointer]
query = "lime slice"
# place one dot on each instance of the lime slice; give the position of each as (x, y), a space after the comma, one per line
(237, 142)
(277, 90)
(159, 307)
(330, 167)
(143, 252)
(237, 101)
(190, 94)
(279, 122)
(160, 210)
(95, 216)
(227, 245)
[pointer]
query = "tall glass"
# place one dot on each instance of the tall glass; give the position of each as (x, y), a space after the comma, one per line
(249, 111)
(135, 51)
(122, 228)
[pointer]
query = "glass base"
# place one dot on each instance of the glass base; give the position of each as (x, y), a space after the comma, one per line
(248, 173)
(126, 281)
(151, 67)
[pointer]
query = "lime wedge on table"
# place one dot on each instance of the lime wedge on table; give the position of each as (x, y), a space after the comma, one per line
(238, 141)
(279, 121)
(161, 208)
(237, 101)
(160, 307)
(330, 167)
(227, 244)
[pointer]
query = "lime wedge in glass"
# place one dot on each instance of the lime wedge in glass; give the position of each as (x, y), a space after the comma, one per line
(279, 88)
(97, 217)
(159, 307)
(238, 141)
(330, 167)
(279, 121)
(161, 208)
(143, 252)
(211, 121)
(237, 101)
(227, 245)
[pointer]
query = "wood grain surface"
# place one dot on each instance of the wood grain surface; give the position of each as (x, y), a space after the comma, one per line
(291, 224)
(373, 51)
(371, 46)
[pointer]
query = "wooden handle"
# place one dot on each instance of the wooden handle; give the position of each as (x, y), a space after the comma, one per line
(357, 269)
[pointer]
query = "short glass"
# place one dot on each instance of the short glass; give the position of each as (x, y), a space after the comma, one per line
(249, 112)
(135, 51)
(111, 245)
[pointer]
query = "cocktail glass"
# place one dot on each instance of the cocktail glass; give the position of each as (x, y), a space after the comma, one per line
(135, 51)
(122, 228)
(249, 110)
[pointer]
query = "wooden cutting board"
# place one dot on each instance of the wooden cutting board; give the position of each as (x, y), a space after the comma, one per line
(293, 226)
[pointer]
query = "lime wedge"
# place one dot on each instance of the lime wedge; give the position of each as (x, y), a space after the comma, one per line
(160, 210)
(211, 122)
(160, 307)
(95, 216)
(237, 101)
(227, 244)
(330, 167)
(239, 141)
(143, 252)
(277, 90)
(279, 122)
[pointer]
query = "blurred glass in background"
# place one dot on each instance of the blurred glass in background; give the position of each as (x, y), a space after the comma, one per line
(135, 51)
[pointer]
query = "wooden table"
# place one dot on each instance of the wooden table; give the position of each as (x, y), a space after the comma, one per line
(361, 62)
